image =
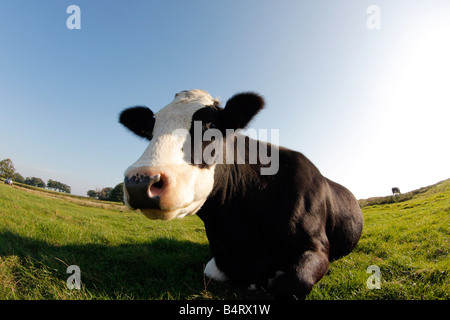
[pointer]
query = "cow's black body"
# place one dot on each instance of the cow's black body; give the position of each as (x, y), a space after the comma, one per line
(294, 221)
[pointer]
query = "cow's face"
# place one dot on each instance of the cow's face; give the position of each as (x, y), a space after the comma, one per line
(165, 182)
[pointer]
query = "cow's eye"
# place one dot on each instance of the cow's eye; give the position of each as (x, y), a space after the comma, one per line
(209, 125)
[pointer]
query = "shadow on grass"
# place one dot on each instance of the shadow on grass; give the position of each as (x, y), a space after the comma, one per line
(160, 269)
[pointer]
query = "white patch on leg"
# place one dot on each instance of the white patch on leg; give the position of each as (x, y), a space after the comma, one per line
(211, 271)
(252, 287)
(277, 274)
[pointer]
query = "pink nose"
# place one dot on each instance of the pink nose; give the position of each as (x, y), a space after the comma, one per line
(144, 190)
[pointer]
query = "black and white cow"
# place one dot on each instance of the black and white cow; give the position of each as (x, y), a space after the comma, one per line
(278, 231)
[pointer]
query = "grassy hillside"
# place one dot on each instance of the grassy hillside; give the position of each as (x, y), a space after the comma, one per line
(408, 238)
(123, 255)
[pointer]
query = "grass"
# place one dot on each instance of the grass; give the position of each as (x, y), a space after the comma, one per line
(408, 238)
(123, 255)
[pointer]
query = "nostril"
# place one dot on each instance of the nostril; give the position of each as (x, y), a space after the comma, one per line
(158, 184)
(157, 188)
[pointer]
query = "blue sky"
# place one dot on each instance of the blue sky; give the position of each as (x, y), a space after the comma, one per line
(369, 107)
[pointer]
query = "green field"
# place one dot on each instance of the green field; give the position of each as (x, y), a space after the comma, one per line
(123, 255)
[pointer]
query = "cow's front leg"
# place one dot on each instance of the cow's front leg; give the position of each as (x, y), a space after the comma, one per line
(300, 278)
(213, 272)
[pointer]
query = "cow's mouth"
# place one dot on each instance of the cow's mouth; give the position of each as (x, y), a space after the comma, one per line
(167, 192)
(161, 214)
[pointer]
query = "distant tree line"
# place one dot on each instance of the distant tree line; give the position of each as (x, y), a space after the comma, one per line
(108, 194)
(7, 170)
(58, 186)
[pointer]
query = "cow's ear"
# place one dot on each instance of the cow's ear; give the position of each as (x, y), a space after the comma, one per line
(240, 109)
(139, 120)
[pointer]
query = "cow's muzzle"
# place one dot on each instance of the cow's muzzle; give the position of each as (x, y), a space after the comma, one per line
(144, 190)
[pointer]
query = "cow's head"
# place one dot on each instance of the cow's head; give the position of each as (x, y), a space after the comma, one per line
(165, 182)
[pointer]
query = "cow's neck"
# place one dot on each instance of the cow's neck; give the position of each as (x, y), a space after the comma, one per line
(234, 181)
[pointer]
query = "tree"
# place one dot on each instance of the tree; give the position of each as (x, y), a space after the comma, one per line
(105, 194)
(108, 193)
(17, 177)
(36, 182)
(92, 194)
(51, 184)
(7, 168)
(65, 188)
(58, 186)
(117, 193)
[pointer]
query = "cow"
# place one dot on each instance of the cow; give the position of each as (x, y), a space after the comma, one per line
(395, 191)
(277, 230)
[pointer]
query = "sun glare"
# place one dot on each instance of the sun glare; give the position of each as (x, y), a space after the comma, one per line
(413, 103)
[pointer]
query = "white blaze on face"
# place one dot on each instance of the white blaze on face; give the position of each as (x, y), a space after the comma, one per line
(186, 186)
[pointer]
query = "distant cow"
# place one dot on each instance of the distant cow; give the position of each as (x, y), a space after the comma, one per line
(276, 229)
(395, 191)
